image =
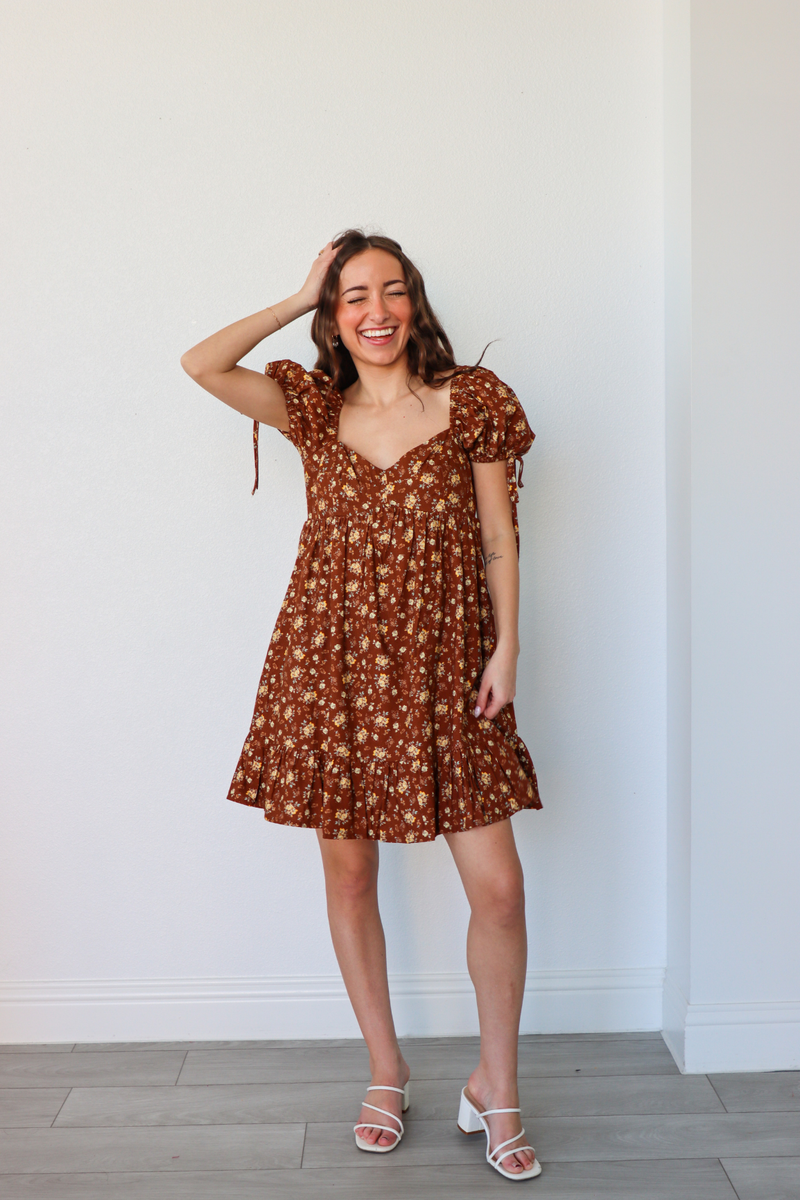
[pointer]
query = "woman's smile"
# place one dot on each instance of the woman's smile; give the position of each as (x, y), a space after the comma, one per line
(379, 337)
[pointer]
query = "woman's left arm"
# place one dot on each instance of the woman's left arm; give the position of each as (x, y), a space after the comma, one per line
(499, 679)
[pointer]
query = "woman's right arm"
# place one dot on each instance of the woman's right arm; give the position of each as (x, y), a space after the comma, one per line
(213, 363)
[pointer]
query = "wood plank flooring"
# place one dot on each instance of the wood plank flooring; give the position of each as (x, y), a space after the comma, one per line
(610, 1116)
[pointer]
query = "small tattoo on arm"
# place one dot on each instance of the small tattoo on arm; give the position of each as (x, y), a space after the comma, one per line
(491, 558)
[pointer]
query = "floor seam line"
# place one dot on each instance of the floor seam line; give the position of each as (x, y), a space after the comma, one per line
(727, 1176)
(716, 1093)
(60, 1107)
(180, 1069)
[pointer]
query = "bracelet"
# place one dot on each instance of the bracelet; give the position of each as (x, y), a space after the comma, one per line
(270, 310)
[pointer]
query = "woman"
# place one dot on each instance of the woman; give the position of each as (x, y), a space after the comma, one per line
(385, 709)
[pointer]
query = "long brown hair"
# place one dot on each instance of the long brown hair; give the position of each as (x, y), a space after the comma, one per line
(428, 348)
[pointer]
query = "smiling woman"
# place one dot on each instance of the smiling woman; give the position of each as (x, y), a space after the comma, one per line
(385, 707)
(345, 302)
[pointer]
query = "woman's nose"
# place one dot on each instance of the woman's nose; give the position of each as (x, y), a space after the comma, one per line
(378, 310)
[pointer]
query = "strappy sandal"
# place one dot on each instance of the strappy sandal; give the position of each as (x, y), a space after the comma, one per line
(373, 1146)
(472, 1119)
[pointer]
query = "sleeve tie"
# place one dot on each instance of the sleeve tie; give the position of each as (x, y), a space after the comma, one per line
(255, 454)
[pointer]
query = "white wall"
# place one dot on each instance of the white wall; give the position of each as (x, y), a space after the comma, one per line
(178, 165)
(678, 457)
(733, 988)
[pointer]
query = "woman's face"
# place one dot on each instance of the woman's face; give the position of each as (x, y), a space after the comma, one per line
(373, 314)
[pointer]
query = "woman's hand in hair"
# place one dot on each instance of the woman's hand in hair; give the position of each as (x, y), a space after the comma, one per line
(316, 277)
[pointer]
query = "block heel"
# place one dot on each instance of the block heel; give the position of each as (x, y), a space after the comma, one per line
(468, 1119)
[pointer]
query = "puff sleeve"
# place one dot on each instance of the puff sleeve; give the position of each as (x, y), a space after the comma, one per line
(494, 427)
(306, 395)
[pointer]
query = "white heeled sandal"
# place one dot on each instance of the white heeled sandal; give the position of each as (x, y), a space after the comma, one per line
(373, 1146)
(472, 1120)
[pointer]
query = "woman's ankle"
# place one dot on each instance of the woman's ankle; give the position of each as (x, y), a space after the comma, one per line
(494, 1088)
(389, 1068)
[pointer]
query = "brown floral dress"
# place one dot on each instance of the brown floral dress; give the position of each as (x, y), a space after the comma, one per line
(364, 723)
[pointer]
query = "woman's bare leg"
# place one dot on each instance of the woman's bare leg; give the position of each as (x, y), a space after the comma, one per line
(497, 955)
(351, 884)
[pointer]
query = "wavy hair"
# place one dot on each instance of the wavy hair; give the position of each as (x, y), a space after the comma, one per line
(428, 348)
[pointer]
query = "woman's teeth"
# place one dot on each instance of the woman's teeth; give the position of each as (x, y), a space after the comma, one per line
(377, 333)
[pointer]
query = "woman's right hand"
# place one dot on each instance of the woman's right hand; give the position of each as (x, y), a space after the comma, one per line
(316, 277)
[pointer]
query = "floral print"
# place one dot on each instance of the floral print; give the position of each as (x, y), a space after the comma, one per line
(364, 722)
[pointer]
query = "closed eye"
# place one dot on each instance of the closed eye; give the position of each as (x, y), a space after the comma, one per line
(359, 299)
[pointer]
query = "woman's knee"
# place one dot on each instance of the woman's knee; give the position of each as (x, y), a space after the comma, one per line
(502, 899)
(351, 871)
(352, 886)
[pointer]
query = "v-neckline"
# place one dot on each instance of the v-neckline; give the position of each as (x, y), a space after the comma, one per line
(385, 470)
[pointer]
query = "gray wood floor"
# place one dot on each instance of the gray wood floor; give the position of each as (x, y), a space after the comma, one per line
(610, 1116)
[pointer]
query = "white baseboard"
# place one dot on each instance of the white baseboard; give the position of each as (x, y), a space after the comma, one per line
(592, 1001)
(673, 1020)
(424, 1005)
(702, 1037)
(705, 1038)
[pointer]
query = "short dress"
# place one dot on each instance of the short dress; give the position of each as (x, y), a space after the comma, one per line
(364, 722)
